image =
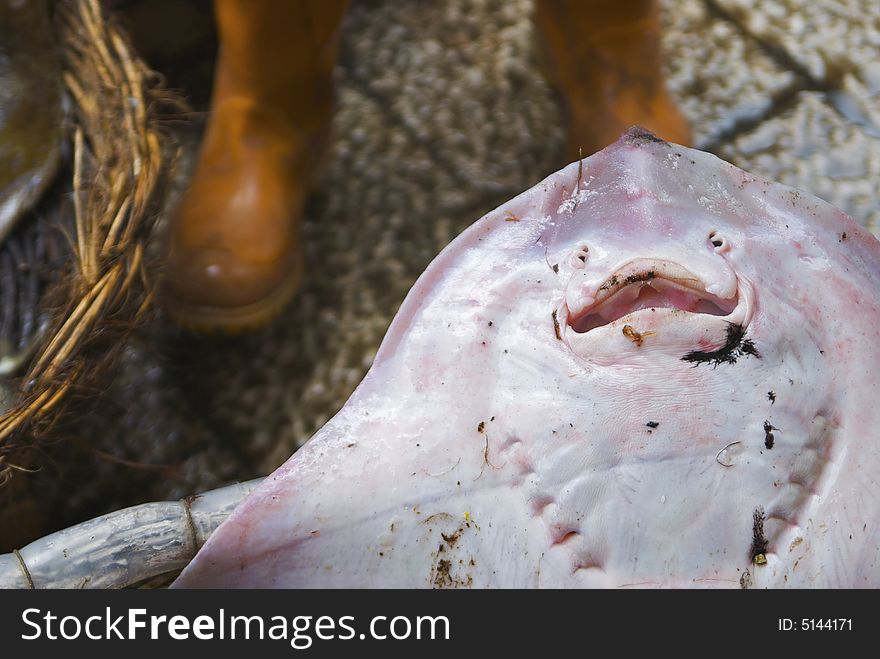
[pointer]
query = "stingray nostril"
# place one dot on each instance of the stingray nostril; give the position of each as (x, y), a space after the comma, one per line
(579, 257)
(716, 240)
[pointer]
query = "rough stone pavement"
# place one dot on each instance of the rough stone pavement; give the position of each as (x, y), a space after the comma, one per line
(442, 115)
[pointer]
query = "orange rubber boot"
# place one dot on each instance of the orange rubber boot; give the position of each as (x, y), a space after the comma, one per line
(603, 56)
(234, 259)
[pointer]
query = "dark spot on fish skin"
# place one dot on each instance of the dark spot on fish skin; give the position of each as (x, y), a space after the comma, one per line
(556, 326)
(555, 267)
(759, 540)
(768, 434)
(637, 136)
(631, 279)
(442, 573)
(736, 346)
(748, 348)
(442, 576)
(771, 397)
(652, 424)
(490, 323)
(492, 419)
(790, 381)
(639, 276)
(842, 237)
(608, 284)
(481, 427)
(452, 538)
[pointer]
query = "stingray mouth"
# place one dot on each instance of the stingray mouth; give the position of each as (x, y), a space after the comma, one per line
(648, 287)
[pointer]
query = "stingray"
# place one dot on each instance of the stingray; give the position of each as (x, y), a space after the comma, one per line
(651, 369)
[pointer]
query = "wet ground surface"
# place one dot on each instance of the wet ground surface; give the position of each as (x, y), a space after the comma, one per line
(442, 115)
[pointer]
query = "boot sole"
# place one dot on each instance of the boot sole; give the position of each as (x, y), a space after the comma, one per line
(236, 320)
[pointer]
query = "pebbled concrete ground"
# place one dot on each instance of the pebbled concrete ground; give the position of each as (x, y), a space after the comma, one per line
(442, 115)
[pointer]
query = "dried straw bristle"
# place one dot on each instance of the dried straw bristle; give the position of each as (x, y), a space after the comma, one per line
(119, 177)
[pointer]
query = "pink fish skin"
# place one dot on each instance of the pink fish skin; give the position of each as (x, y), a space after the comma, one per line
(652, 369)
